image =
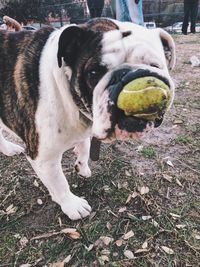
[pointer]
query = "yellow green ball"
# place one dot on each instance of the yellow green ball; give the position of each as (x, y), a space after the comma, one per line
(145, 97)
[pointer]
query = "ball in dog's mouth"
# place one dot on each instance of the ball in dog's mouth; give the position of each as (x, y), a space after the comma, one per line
(140, 106)
(145, 97)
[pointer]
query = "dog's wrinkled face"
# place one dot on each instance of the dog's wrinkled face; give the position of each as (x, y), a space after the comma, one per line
(100, 58)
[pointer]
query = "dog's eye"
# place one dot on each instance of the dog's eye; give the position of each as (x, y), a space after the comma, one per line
(95, 74)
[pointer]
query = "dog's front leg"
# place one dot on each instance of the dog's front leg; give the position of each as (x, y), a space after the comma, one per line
(51, 174)
(82, 150)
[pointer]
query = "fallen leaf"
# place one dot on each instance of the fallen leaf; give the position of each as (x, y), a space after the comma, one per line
(23, 241)
(146, 218)
(35, 183)
(122, 209)
(105, 252)
(167, 177)
(106, 240)
(180, 226)
(167, 250)
(57, 264)
(128, 199)
(178, 122)
(39, 201)
(67, 259)
(134, 195)
(71, 232)
(60, 221)
(90, 247)
(144, 245)
(119, 242)
(178, 182)
(154, 223)
(11, 209)
(103, 259)
(115, 254)
(108, 225)
(141, 250)
(128, 235)
(170, 163)
(175, 215)
(18, 236)
(106, 188)
(139, 148)
(129, 254)
(197, 237)
(144, 190)
(68, 230)
(127, 173)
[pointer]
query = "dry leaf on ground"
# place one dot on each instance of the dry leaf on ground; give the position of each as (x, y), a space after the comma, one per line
(144, 190)
(103, 259)
(167, 177)
(167, 250)
(106, 240)
(71, 232)
(119, 242)
(129, 254)
(128, 235)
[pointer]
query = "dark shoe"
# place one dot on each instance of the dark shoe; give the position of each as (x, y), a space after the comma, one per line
(185, 33)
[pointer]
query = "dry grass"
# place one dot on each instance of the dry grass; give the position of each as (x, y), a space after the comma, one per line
(150, 188)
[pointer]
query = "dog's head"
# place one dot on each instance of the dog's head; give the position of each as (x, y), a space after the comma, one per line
(100, 58)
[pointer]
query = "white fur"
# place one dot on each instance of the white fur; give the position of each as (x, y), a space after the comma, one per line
(59, 131)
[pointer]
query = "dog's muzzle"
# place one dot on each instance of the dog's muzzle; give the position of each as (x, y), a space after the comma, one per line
(125, 124)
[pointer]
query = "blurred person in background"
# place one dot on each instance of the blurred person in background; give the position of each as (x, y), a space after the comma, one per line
(130, 10)
(96, 7)
(190, 11)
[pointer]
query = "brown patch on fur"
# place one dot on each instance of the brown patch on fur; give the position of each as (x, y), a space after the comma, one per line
(19, 83)
(102, 25)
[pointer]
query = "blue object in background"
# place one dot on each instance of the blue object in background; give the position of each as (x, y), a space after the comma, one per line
(128, 10)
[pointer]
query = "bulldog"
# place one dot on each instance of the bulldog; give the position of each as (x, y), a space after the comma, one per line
(59, 87)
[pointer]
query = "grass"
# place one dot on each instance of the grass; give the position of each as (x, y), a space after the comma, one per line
(148, 152)
(183, 139)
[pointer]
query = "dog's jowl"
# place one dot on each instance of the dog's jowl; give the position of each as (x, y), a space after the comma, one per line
(60, 87)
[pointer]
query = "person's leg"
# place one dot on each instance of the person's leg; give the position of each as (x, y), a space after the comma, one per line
(141, 16)
(135, 12)
(122, 12)
(186, 17)
(193, 15)
(92, 12)
(91, 8)
(113, 7)
(100, 7)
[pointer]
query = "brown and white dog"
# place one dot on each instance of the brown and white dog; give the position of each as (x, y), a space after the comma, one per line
(59, 87)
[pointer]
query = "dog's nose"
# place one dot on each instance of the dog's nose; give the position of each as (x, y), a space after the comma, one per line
(116, 83)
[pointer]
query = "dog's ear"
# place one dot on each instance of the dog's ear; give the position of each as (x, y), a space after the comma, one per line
(169, 48)
(70, 42)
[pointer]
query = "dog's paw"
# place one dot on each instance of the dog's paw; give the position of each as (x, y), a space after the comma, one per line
(11, 149)
(75, 207)
(82, 169)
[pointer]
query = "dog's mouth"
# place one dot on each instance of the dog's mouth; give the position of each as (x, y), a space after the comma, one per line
(137, 103)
